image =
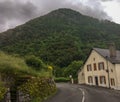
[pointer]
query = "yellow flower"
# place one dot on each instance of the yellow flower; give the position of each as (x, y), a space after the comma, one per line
(50, 67)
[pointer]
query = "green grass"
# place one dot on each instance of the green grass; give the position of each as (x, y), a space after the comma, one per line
(32, 81)
(11, 65)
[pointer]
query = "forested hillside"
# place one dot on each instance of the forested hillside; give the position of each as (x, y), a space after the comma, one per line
(60, 37)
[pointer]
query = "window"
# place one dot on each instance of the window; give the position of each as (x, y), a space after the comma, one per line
(89, 68)
(95, 67)
(112, 82)
(102, 80)
(101, 66)
(90, 79)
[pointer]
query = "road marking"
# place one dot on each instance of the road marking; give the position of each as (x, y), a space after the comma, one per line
(83, 93)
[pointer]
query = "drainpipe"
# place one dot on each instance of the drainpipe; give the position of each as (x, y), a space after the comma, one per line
(107, 70)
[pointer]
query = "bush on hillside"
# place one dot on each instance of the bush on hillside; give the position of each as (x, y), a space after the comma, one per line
(15, 73)
(35, 62)
(14, 66)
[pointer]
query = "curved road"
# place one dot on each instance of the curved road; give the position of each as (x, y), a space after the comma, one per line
(83, 93)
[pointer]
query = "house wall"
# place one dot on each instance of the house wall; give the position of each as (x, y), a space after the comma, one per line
(97, 58)
(81, 77)
(112, 75)
(117, 68)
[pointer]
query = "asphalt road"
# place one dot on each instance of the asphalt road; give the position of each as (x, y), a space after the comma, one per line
(66, 93)
(83, 93)
(98, 94)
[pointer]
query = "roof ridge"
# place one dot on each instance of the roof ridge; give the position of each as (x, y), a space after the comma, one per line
(103, 49)
(105, 52)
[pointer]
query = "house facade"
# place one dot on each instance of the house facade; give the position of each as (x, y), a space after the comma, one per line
(101, 68)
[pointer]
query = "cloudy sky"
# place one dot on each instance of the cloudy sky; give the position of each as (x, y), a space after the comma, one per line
(16, 12)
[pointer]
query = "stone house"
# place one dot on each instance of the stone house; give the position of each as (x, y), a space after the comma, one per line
(101, 68)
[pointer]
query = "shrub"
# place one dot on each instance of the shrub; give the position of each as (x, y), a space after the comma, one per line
(3, 90)
(62, 79)
(14, 70)
(72, 69)
(35, 62)
(14, 66)
(38, 88)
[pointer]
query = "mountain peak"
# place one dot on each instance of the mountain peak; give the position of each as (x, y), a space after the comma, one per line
(65, 11)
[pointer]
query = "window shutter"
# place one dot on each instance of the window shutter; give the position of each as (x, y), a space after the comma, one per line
(99, 66)
(100, 80)
(95, 67)
(87, 68)
(103, 65)
(105, 80)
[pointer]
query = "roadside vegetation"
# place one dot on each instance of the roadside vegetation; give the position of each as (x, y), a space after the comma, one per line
(63, 74)
(29, 76)
(62, 79)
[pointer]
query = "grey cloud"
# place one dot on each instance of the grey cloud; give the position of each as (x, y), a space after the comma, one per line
(14, 12)
(106, 0)
(46, 6)
(92, 8)
(110, 0)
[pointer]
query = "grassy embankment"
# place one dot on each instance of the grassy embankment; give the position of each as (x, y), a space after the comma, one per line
(17, 75)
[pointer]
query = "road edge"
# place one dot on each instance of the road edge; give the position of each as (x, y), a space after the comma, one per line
(83, 94)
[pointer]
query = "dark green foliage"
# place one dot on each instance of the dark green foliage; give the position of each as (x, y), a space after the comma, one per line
(12, 66)
(14, 73)
(3, 90)
(60, 37)
(58, 72)
(35, 62)
(38, 88)
(73, 68)
(62, 79)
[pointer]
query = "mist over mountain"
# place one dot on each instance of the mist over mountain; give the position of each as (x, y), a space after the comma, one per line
(60, 37)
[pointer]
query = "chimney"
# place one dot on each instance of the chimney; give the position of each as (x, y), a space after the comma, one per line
(112, 50)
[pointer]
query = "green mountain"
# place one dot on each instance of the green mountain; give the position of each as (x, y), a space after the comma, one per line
(60, 37)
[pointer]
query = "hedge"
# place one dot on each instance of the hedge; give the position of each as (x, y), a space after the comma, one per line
(62, 79)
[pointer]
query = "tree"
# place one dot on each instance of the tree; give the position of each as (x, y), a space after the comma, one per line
(73, 68)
